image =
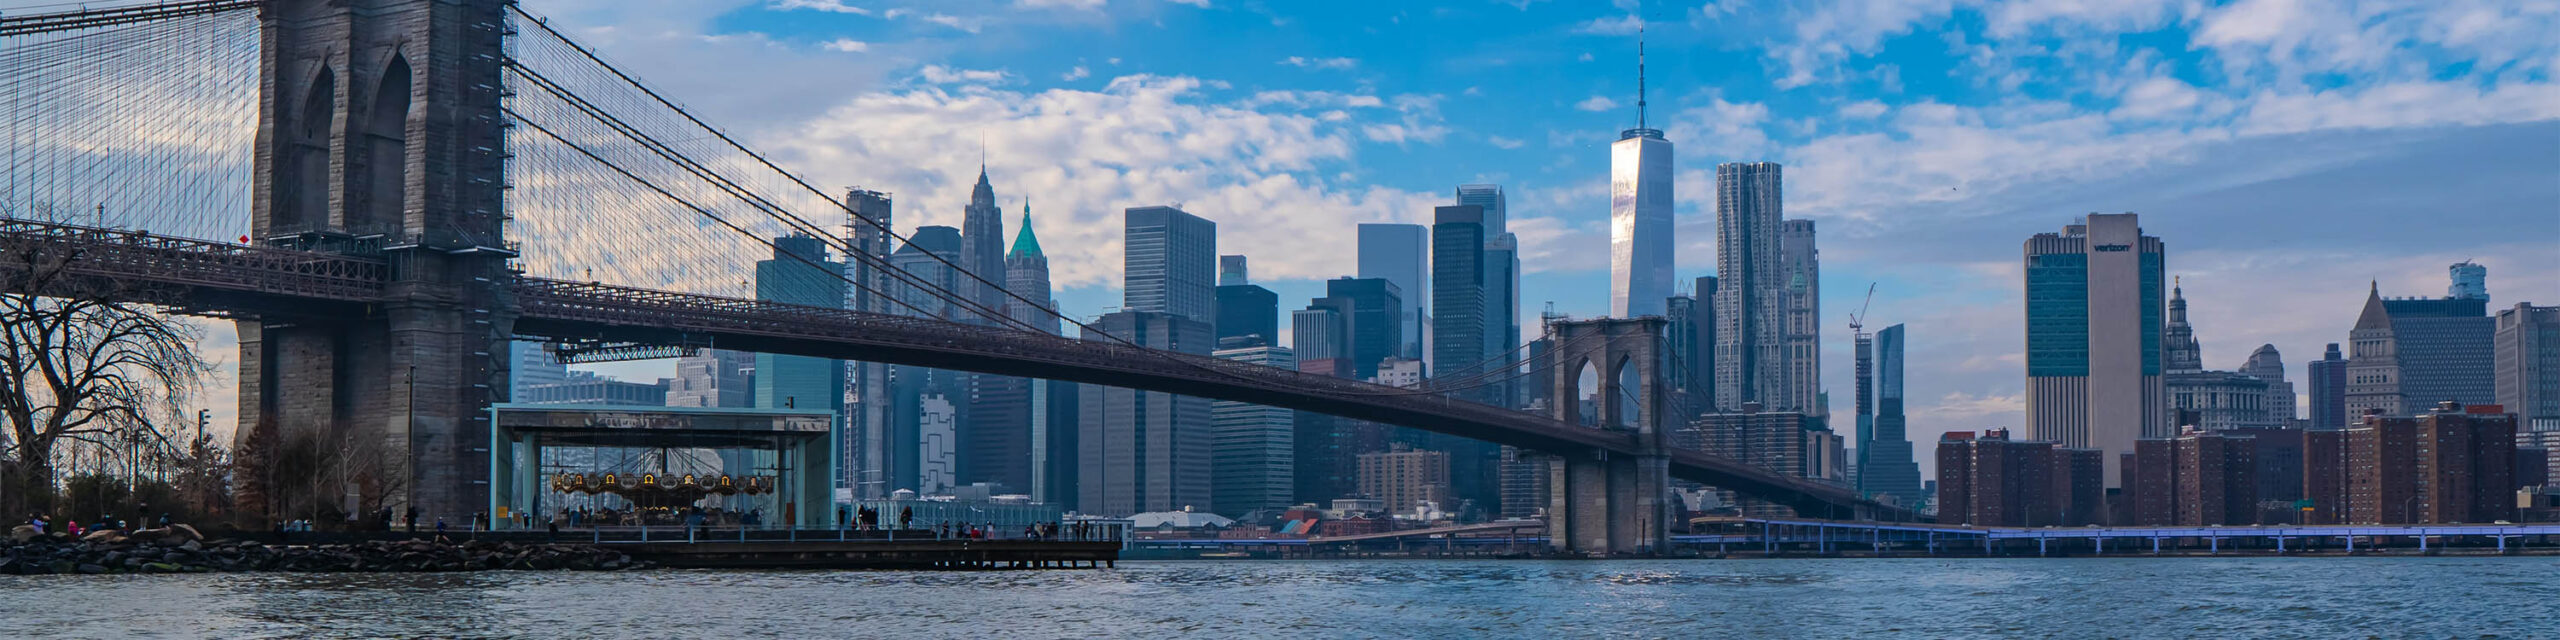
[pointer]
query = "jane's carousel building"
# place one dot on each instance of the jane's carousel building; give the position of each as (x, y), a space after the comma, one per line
(632, 466)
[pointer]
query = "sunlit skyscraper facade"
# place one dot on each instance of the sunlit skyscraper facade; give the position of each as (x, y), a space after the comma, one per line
(1639, 223)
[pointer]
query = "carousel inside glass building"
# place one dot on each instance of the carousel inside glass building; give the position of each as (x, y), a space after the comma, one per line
(610, 467)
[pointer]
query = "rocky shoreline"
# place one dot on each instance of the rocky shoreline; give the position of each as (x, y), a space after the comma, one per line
(180, 553)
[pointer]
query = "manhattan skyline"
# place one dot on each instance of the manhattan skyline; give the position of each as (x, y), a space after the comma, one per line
(2272, 191)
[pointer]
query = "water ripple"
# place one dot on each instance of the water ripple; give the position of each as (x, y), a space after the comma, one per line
(1916, 598)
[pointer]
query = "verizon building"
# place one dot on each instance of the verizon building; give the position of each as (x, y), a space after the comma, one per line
(2094, 325)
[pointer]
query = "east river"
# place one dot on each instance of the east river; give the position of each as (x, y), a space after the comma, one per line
(2406, 597)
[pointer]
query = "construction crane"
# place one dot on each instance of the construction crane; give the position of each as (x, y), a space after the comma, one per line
(1857, 321)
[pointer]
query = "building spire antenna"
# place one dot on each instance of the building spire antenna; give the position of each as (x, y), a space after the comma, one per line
(1640, 121)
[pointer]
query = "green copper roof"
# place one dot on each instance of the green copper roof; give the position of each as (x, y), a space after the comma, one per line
(1025, 244)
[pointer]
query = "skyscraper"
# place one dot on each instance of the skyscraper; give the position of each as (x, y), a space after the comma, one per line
(1700, 377)
(2527, 363)
(1253, 446)
(1679, 341)
(1371, 324)
(1885, 465)
(1322, 343)
(927, 260)
(1052, 419)
(2329, 390)
(982, 249)
(1401, 253)
(2267, 364)
(1246, 311)
(1460, 350)
(1640, 232)
(866, 393)
(1803, 266)
(2093, 337)
(1141, 451)
(1502, 279)
(2470, 280)
(799, 273)
(1459, 323)
(1026, 275)
(1751, 288)
(2407, 354)
(1171, 263)
(2179, 350)
(532, 366)
(2214, 400)
(713, 378)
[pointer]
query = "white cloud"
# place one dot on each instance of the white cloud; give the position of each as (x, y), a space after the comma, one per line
(2158, 98)
(939, 74)
(1596, 103)
(1319, 63)
(2400, 105)
(1863, 109)
(1505, 143)
(971, 25)
(1084, 5)
(1204, 4)
(1617, 26)
(1314, 99)
(1090, 154)
(1078, 73)
(831, 6)
(1961, 404)
(847, 45)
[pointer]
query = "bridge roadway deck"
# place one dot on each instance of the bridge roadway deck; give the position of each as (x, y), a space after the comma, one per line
(215, 278)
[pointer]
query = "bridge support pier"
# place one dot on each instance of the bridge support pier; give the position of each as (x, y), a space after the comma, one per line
(1602, 504)
(1606, 505)
(379, 134)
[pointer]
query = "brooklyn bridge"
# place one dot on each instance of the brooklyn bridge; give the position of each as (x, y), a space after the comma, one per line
(420, 182)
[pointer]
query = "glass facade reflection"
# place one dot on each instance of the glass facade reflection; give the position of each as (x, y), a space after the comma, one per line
(1639, 224)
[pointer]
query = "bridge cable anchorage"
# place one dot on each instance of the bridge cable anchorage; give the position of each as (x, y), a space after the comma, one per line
(796, 222)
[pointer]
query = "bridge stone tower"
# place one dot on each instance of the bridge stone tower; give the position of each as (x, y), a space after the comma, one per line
(1602, 504)
(379, 133)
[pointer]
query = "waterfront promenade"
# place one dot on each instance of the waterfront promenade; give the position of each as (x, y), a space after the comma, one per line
(1797, 537)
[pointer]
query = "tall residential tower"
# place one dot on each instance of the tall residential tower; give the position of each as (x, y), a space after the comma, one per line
(1751, 289)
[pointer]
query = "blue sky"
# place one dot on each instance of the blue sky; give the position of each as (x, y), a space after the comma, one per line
(2286, 151)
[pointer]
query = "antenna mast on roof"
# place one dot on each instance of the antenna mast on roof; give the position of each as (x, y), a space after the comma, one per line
(1640, 121)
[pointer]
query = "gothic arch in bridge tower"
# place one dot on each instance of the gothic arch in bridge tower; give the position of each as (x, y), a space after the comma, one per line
(304, 200)
(1599, 502)
(1586, 385)
(381, 137)
(1622, 401)
(387, 150)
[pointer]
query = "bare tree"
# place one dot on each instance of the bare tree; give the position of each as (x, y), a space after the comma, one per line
(82, 359)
